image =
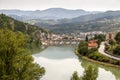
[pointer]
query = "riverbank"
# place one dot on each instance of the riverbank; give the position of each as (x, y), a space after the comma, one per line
(37, 50)
(97, 62)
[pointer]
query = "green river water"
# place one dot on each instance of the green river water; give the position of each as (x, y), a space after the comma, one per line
(61, 62)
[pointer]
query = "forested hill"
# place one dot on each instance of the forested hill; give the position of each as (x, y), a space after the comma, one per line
(32, 33)
(51, 13)
(16, 45)
(106, 21)
(6, 21)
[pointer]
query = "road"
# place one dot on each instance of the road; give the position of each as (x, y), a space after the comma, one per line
(101, 50)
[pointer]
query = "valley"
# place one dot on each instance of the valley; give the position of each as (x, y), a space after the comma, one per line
(61, 40)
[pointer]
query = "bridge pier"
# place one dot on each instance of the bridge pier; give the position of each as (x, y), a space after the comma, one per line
(62, 42)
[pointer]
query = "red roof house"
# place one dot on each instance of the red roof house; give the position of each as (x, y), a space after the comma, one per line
(92, 44)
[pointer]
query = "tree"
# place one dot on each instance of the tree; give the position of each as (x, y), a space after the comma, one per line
(117, 37)
(112, 42)
(96, 36)
(91, 73)
(75, 76)
(86, 38)
(15, 62)
(117, 50)
(100, 38)
(83, 48)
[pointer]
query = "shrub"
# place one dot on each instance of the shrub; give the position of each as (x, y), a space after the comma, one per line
(117, 50)
(99, 57)
(112, 42)
(117, 37)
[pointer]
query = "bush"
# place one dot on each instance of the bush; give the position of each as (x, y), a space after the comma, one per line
(90, 73)
(115, 62)
(117, 37)
(112, 42)
(92, 50)
(107, 47)
(99, 57)
(116, 51)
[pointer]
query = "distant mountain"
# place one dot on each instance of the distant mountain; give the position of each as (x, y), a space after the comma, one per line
(51, 13)
(105, 21)
(107, 14)
(69, 20)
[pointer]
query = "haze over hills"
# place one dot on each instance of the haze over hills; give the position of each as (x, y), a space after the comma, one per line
(107, 14)
(105, 21)
(51, 13)
(61, 20)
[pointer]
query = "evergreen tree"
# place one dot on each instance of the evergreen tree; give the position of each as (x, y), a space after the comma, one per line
(75, 76)
(96, 36)
(83, 48)
(86, 38)
(15, 62)
(90, 73)
(116, 51)
(117, 37)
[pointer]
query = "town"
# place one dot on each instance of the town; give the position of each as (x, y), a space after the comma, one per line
(67, 39)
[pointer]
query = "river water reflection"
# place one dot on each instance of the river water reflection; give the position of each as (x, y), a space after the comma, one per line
(61, 62)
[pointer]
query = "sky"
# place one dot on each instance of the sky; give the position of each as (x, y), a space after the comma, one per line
(89, 5)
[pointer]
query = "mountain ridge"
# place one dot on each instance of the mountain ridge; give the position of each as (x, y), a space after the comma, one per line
(106, 21)
(51, 13)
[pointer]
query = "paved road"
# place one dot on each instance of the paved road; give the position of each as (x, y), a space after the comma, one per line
(101, 50)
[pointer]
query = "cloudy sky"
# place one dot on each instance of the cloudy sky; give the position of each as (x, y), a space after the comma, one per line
(90, 5)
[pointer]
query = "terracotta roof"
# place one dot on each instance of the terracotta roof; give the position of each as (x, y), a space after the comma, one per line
(92, 43)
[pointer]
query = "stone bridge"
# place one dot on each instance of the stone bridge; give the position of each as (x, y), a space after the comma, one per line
(62, 42)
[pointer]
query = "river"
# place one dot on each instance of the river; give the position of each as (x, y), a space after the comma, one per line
(61, 62)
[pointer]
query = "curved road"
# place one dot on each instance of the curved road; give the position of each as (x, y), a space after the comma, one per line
(101, 50)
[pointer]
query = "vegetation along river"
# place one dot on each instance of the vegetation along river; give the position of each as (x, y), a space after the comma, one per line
(61, 62)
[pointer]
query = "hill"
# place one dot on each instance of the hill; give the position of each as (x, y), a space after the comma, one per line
(105, 21)
(18, 26)
(32, 33)
(51, 13)
(85, 18)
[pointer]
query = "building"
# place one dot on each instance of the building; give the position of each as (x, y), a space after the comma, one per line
(92, 44)
(110, 36)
